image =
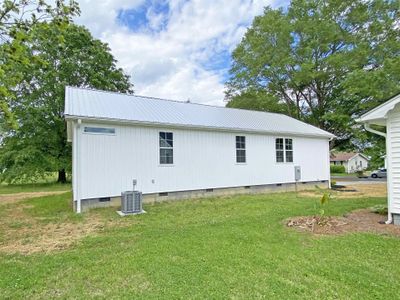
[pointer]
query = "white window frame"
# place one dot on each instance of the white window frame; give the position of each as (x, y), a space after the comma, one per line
(284, 150)
(98, 127)
(165, 148)
(240, 149)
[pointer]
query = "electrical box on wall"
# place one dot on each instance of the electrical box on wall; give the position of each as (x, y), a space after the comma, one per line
(297, 173)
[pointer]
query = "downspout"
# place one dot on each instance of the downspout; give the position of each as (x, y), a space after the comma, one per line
(329, 162)
(78, 203)
(368, 128)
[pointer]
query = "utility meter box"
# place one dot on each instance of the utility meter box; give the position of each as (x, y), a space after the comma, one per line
(297, 173)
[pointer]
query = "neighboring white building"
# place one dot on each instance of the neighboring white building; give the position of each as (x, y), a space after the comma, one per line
(179, 150)
(351, 161)
(388, 115)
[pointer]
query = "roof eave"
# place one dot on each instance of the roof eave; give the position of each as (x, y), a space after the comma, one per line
(199, 127)
(381, 116)
(374, 121)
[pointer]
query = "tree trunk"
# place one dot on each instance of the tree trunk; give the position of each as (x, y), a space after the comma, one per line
(62, 176)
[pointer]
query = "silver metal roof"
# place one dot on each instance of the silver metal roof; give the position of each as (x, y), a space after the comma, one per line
(110, 106)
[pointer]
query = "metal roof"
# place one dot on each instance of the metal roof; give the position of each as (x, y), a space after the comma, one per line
(110, 106)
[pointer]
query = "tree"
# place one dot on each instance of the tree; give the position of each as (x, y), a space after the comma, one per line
(327, 61)
(16, 18)
(60, 54)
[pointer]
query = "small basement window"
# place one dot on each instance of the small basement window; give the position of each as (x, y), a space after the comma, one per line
(166, 148)
(284, 150)
(240, 149)
(99, 130)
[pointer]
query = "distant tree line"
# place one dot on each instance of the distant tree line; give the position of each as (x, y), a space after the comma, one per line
(325, 62)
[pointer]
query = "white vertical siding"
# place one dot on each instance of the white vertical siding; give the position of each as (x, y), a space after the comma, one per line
(393, 156)
(202, 159)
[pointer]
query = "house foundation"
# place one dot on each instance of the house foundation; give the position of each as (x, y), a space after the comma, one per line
(396, 219)
(115, 201)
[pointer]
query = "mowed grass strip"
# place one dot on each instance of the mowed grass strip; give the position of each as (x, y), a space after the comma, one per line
(235, 247)
(34, 187)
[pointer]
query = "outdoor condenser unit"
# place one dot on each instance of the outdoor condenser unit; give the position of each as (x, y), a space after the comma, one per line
(131, 201)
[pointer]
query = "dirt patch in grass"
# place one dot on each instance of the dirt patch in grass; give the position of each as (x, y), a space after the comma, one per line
(352, 191)
(362, 220)
(12, 198)
(25, 234)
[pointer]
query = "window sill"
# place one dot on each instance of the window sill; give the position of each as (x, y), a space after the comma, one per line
(166, 165)
(240, 164)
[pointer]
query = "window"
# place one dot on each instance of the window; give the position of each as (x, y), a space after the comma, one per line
(240, 149)
(289, 150)
(279, 150)
(99, 130)
(284, 150)
(166, 148)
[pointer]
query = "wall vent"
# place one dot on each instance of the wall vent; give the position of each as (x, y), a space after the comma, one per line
(209, 190)
(104, 199)
(163, 194)
(279, 184)
(247, 187)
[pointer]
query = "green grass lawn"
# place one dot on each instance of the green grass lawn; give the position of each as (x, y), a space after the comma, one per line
(233, 247)
(33, 187)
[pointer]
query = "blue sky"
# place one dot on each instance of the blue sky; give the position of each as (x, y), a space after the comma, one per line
(175, 49)
(137, 19)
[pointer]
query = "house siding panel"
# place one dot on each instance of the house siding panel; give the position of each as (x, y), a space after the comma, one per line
(202, 159)
(393, 148)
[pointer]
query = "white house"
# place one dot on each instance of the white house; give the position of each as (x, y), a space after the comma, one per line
(351, 161)
(388, 115)
(182, 150)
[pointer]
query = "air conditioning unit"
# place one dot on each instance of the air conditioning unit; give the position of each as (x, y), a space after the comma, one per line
(131, 202)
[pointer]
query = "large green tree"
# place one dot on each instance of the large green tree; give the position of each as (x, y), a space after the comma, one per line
(324, 61)
(60, 54)
(16, 19)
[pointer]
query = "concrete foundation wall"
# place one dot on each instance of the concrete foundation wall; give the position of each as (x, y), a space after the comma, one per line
(396, 219)
(204, 193)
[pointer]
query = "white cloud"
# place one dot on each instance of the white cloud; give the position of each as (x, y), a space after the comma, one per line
(173, 61)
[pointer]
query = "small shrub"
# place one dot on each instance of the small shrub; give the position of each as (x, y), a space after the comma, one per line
(319, 206)
(322, 202)
(360, 173)
(333, 182)
(380, 209)
(337, 169)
